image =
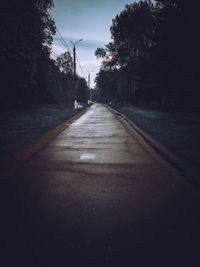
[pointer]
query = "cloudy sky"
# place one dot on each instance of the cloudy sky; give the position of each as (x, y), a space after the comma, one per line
(89, 20)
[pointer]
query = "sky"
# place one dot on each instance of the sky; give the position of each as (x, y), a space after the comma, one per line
(88, 20)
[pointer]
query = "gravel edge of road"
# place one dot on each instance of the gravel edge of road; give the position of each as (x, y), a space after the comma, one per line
(162, 151)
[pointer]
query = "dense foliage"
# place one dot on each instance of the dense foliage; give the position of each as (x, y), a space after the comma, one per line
(153, 55)
(28, 75)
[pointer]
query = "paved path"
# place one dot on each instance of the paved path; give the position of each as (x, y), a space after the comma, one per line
(94, 197)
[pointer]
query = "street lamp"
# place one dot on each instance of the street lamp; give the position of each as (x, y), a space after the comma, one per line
(75, 89)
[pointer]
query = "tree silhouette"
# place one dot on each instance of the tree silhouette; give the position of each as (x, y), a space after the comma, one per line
(28, 74)
(65, 62)
(156, 44)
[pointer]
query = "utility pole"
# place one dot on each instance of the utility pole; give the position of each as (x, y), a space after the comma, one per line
(75, 88)
(90, 97)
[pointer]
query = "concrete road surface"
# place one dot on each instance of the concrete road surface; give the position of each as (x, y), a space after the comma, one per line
(95, 197)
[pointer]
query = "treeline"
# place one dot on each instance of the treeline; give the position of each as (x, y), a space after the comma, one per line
(152, 58)
(28, 74)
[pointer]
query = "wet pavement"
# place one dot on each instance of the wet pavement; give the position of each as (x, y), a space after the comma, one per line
(94, 197)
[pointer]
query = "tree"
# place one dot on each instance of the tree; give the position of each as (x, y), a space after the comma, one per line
(178, 44)
(83, 90)
(65, 62)
(28, 75)
(156, 44)
(131, 31)
(26, 35)
(100, 53)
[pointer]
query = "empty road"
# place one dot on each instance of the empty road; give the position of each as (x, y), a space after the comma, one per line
(96, 197)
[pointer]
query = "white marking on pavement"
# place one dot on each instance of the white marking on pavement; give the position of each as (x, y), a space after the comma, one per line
(87, 156)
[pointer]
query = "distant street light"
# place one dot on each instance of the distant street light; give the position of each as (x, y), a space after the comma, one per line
(90, 97)
(75, 89)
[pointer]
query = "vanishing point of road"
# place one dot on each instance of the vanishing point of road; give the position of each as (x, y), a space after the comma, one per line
(98, 196)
